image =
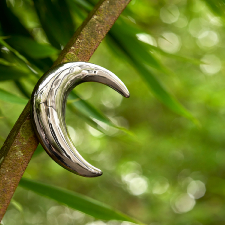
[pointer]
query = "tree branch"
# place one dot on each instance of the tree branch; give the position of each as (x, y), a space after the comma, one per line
(21, 143)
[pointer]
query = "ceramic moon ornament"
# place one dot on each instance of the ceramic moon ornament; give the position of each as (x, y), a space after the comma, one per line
(48, 105)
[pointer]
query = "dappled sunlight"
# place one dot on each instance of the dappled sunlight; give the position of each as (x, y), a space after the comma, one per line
(127, 223)
(160, 186)
(76, 136)
(147, 38)
(169, 42)
(208, 39)
(111, 100)
(120, 121)
(94, 131)
(136, 184)
(96, 223)
(183, 203)
(196, 189)
(212, 64)
(130, 167)
(169, 14)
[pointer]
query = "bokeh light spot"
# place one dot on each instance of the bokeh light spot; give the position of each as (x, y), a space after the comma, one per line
(196, 189)
(127, 223)
(183, 203)
(129, 168)
(146, 38)
(94, 132)
(99, 222)
(160, 186)
(208, 39)
(75, 136)
(112, 99)
(169, 14)
(169, 42)
(138, 185)
(212, 64)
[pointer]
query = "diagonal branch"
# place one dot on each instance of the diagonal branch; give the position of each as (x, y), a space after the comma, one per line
(21, 143)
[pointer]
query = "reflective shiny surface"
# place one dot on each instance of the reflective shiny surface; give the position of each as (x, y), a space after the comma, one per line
(48, 111)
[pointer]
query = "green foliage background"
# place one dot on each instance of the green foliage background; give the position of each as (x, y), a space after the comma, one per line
(161, 151)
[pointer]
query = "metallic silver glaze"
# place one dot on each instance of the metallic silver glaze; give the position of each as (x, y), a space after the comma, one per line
(48, 111)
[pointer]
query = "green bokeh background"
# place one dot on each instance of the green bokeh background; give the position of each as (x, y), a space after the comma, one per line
(168, 169)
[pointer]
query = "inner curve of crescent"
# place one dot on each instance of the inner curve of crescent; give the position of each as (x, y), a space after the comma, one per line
(48, 103)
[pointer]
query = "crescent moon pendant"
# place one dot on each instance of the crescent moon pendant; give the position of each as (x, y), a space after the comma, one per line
(48, 103)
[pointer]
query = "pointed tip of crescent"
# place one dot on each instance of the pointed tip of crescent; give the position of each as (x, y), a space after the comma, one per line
(92, 174)
(99, 174)
(87, 170)
(127, 95)
(124, 91)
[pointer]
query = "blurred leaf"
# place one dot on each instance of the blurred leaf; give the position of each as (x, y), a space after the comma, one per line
(132, 31)
(76, 201)
(83, 4)
(11, 73)
(124, 34)
(10, 24)
(13, 50)
(176, 56)
(56, 21)
(90, 112)
(218, 7)
(161, 93)
(17, 205)
(24, 64)
(8, 97)
(5, 62)
(31, 47)
(158, 90)
(90, 122)
(22, 88)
